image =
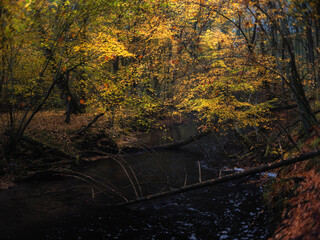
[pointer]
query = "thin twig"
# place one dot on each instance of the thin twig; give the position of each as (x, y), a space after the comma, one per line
(127, 174)
(134, 175)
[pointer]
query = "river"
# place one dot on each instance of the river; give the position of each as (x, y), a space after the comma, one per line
(80, 204)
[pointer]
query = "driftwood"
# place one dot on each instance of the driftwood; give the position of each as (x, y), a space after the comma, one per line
(229, 177)
(169, 146)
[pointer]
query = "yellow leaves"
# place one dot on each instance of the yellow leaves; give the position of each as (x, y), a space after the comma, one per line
(219, 64)
(217, 40)
(27, 5)
(225, 91)
(102, 46)
(110, 46)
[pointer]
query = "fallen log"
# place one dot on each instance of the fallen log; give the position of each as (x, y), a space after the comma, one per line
(211, 182)
(169, 146)
(179, 144)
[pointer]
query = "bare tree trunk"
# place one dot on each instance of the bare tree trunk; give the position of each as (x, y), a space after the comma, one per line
(80, 132)
(294, 79)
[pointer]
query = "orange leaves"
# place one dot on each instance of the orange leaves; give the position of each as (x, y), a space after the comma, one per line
(61, 39)
(107, 58)
(214, 128)
(207, 127)
(304, 214)
(179, 49)
(152, 67)
(174, 62)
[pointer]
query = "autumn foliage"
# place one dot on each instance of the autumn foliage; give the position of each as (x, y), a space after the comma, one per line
(231, 65)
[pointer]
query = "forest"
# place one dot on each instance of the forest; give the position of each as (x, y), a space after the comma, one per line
(87, 85)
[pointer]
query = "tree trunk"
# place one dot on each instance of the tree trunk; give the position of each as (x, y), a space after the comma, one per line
(294, 80)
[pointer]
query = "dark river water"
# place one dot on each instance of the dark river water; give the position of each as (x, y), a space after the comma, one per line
(81, 204)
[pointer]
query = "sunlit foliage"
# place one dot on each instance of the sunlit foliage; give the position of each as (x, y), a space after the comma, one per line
(227, 62)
